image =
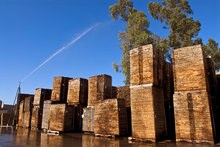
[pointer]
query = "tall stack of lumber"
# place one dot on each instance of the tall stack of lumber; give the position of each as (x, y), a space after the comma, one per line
(146, 92)
(6, 118)
(46, 114)
(61, 117)
(88, 120)
(99, 88)
(28, 104)
(77, 91)
(195, 113)
(21, 97)
(0, 104)
(78, 97)
(110, 117)
(21, 112)
(37, 112)
(60, 89)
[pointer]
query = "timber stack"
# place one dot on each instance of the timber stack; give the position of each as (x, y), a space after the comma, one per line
(77, 98)
(28, 104)
(46, 115)
(99, 88)
(146, 92)
(59, 111)
(22, 97)
(6, 119)
(124, 92)
(218, 86)
(193, 101)
(110, 117)
(37, 112)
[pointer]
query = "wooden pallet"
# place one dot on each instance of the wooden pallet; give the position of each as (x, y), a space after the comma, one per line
(33, 128)
(141, 139)
(195, 141)
(105, 135)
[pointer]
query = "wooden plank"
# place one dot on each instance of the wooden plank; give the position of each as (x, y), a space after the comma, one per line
(28, 104)
(7, 118)
(110, 117)
(77, 91)
(21, 110)
(36, 119)
(124, 92)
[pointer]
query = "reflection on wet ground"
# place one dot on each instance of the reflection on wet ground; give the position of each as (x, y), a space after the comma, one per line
(25, 137)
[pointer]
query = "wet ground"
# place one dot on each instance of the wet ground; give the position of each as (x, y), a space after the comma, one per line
(21, 137)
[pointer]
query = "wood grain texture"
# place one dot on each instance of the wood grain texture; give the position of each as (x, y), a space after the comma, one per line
(28, 104)
(21, 111)
(110, 117)
(146, 65)
(77, 91)
(41, 95)
(36, 118)
(46, 114)
(192, 116)
(124, 92)
(60, 89)
(147, 113)
(99, 88)
(190, 69)
(88, 120)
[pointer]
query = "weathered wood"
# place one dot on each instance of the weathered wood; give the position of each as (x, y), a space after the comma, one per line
(124, 92)
(21, 111)
(60, 89)
(46, 114)
(99, 88)
(77, 91)
(28, 104)
(110, 117)
(27, 119)
(36, 118)
(190, 69)
(7, 118)
(193, 120)
(114, 92)
(40, 96)
(146, 65)
(147, 113)
(88, 119)
(61, 117)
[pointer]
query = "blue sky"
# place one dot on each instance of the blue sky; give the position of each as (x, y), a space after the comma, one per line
(33, 30)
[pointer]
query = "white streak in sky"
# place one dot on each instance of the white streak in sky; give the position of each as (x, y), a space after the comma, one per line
(61, 50)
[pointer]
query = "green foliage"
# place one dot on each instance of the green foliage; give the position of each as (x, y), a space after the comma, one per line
(212, 49)
(136, 33)
(173, 13)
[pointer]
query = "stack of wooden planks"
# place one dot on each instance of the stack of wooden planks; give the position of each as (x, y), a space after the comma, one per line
(6, 118)
(37, 112)
(146, 92)
(218, 85)
(195, 113)
(21, 112)
(88, 120)
(110, 117)
(60, 89)
(46, 114)
(77, 91)
(22, 97)
(28, 104)
(99, 88)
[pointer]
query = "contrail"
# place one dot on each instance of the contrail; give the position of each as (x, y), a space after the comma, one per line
(60, 51)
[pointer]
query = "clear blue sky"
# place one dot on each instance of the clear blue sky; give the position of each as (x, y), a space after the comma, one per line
(33, 30)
